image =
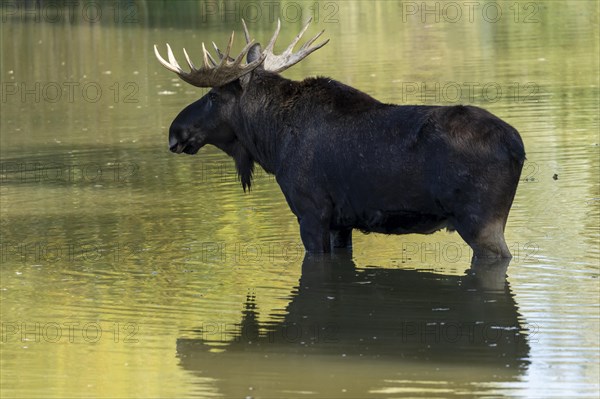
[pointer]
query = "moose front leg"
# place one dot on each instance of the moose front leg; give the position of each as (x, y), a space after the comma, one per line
(341, 239)
(314, 231)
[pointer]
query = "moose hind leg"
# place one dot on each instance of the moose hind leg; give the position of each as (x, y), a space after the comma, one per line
(485, 237)
(490, 240)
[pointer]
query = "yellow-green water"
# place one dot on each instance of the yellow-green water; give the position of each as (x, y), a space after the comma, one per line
(128, 271)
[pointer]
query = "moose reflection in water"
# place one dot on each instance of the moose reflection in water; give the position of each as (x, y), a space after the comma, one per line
(398, 319)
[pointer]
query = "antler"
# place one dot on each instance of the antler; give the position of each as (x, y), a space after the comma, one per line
(212, 74)
(228, 69)
(281, 62)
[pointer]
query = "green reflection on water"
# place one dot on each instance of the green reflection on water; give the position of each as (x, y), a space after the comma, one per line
(101, 224)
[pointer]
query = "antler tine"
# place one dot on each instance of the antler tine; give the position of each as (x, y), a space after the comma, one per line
(281, 62)
(207, 58)
(298, 37)
(217, 50)
(311, 41)
(274, 38)
(246, 34)
(164, 62)
(172, 59)
(187, 58)
(228, 49)
(220, 53)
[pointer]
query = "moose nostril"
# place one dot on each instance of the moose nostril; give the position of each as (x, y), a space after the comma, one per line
(177, 148)
(175, 145)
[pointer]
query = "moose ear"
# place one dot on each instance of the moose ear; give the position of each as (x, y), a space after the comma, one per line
(254, 53)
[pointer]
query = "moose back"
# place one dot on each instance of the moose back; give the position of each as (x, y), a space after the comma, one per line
(346, 161)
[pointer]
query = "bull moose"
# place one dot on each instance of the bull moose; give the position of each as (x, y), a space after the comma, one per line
(345, 160)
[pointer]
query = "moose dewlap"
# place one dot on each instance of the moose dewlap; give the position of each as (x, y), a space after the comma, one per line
(346, 161)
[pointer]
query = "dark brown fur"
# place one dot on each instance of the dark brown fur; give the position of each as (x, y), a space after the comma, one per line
(347, 161)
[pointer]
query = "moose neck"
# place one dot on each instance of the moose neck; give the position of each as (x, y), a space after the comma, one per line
(273, 109)
(263, 116)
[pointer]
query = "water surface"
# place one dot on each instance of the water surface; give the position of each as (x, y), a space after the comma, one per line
(128, 271)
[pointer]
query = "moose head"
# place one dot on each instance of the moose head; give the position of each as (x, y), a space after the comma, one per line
(217, 117)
